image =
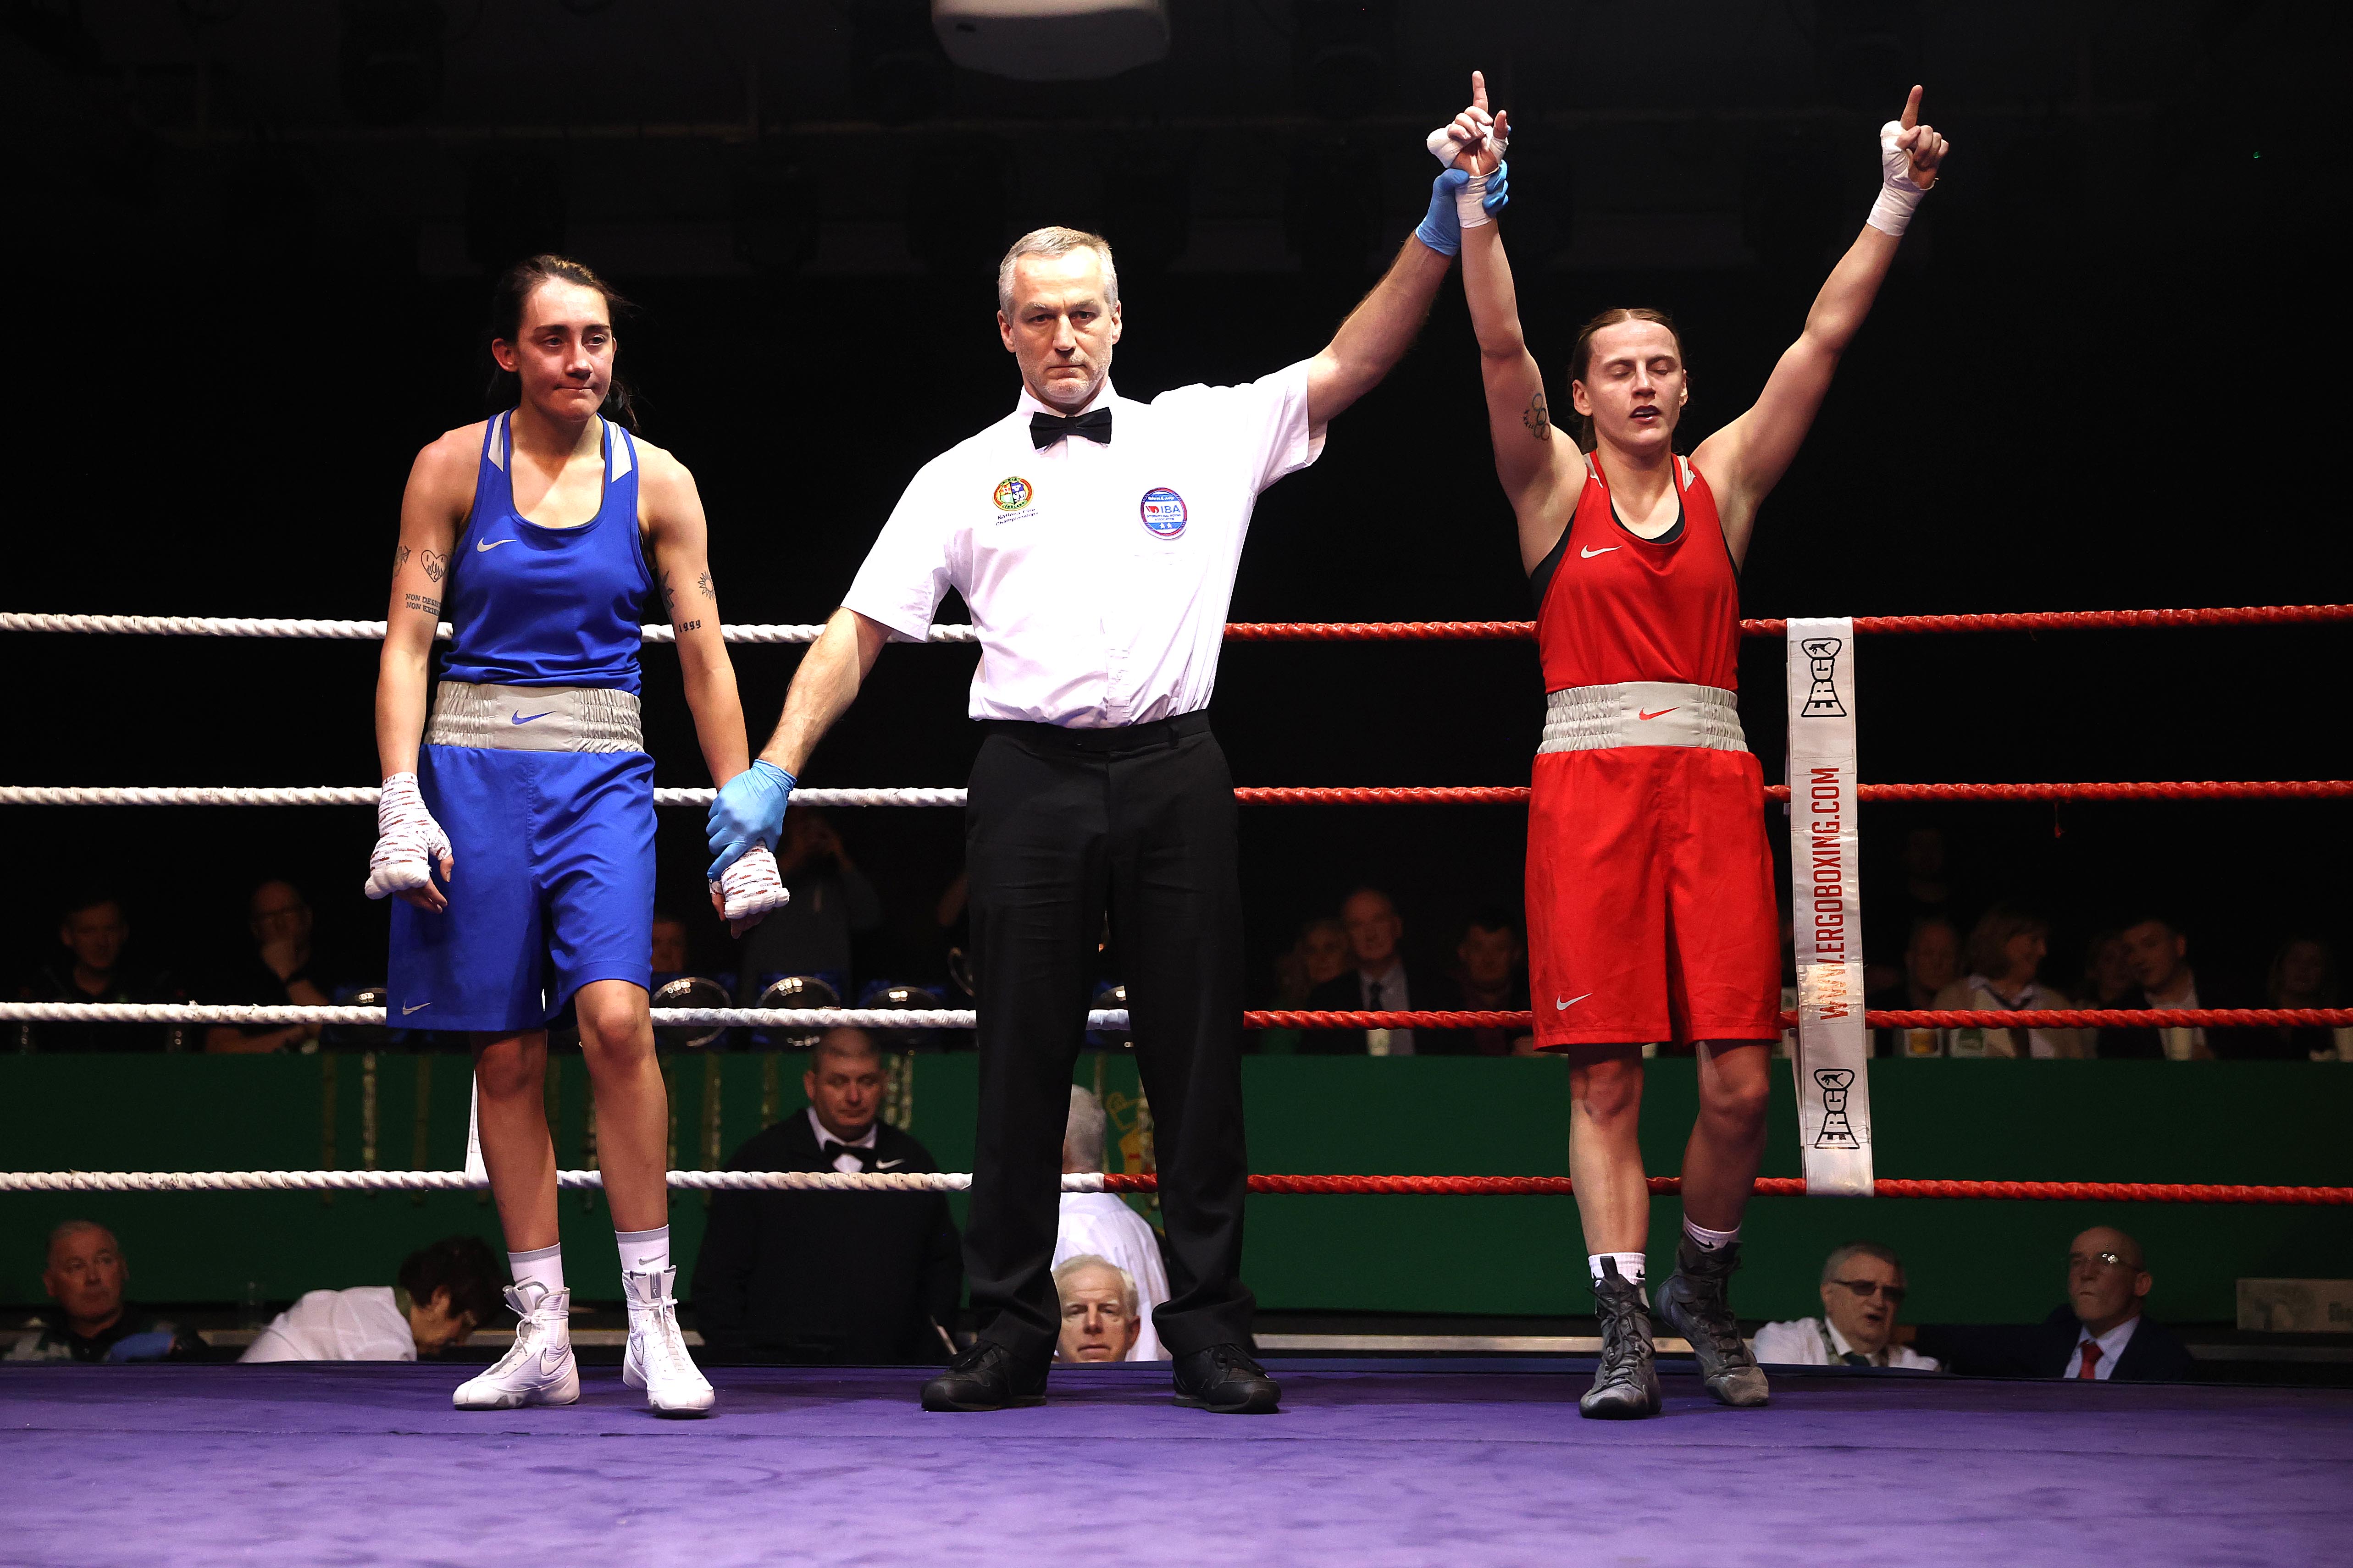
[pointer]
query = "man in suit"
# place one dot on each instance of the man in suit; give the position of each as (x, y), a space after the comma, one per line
(2100, 1335)
(851, 1278)
(2157, 952)
(1377, 982)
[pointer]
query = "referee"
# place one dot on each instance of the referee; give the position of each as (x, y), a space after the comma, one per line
(1095, 540)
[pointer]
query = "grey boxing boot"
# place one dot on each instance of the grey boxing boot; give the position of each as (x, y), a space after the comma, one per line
(1697, 1300)
(1626, 1383)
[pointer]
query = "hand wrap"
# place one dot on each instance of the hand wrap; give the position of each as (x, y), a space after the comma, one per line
(1897, 193)
(750, 886)
(409, 843)
(749, 810)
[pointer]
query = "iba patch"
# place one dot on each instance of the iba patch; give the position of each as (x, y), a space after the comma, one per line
(1014, 493)
(1163, 512)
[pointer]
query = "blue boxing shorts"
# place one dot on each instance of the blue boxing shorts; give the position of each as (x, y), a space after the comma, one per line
(553, 887)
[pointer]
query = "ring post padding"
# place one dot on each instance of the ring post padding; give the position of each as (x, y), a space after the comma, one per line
(1832, 1061)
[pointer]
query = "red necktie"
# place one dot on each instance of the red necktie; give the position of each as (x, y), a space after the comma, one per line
(2089, 1369)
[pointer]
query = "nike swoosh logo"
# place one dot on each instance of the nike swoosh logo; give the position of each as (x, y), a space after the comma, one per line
(1588, 552)
(1640, 715)
(886, 1164)
(527, 717)
(482, 544)
(1560, 1006)
(405, 1012)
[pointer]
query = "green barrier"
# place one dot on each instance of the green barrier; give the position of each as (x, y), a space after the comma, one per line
(2207, 1121)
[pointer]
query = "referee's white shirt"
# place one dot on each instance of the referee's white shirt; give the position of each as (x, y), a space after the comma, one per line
(1098, 576)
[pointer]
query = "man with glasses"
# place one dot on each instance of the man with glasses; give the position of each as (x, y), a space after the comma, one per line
(1862, 1285)
(2100, 1335)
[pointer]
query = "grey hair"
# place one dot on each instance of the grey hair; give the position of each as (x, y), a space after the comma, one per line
(1127, 1294)
(1082, 1135)
(1840, 1257)
(73, 1228)
(1053, 240)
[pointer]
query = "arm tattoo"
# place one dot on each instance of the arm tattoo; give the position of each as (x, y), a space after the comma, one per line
(435, 565)
(703, 583)
(690, 625)
(1537, 419)
(670, 596)
(427, 606)
(399, 558)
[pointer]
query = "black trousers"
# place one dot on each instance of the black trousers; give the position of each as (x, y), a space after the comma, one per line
(1060, 827)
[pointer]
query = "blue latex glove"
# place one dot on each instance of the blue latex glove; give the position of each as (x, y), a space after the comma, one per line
(750, 810)
(1441, 231)
(140, 1347)
(1499, 189)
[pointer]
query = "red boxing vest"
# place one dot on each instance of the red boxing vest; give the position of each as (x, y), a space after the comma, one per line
(1619, 607)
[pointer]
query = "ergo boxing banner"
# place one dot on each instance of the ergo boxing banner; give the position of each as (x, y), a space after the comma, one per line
(1833, 1053)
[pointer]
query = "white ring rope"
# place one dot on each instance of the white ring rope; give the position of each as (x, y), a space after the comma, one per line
(364, 794)
(369, 631)
(460, 1182)
(664, 1018)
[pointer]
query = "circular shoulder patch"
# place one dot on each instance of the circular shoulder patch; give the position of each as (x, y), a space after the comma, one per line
(1163, 512)
(1013, 494)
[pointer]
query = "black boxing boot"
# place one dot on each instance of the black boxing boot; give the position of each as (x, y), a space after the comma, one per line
(1626, 1383)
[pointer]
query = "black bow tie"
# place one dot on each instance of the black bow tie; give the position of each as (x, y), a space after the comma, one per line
(829, 1150)
(1045, 429)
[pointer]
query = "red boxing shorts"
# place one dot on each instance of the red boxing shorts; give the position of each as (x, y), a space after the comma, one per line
(1651, 911)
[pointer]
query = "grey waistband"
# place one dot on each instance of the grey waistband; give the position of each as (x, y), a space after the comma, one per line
(534, 717)
(1641, 713)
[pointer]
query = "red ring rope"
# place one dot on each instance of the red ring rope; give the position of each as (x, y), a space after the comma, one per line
(1793, 1186)
(2030, 621)
(1902, 1018)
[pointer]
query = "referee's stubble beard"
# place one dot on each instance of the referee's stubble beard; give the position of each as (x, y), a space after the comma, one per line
(1063, 327)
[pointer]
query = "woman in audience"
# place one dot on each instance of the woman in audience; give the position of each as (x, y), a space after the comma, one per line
(2302, 974)
(2005, 952)
(1321, 953)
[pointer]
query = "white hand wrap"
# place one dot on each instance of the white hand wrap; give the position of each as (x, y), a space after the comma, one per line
(409, 843)
(1898, 193)
(750, 886)
(1470, 209)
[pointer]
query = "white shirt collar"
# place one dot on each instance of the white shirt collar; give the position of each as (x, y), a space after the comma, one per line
(873, 1128)
(1029, 403)
(1841, 1346)
(2112, 1345)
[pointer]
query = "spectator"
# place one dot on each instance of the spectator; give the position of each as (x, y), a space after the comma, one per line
(1376, 983)
(670, 959)
(2107, 971)
(93, 933)
(1318, 956)
(2100, 1333)
(279, 976)
(85, 1277)
(1863, 1286)
(2006, 952)
(1101, 1225)
(1100, 1318)
(2157, 953)
(2302, 974)
(1489, 977)
(832, 902)
(443, 1293)
(846, 1277)
(1932, 961)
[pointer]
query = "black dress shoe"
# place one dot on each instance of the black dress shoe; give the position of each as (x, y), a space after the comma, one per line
(1225, 1380)
(986, 1377)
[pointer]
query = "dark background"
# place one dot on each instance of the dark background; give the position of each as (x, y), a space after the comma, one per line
(245, 278)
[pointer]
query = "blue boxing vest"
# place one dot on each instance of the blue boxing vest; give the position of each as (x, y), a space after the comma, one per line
(548, 606)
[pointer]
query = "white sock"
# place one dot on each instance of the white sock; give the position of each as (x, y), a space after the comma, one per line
(543, 1267)
(643, 1251)
(1629, 1267)
(1708, 1241)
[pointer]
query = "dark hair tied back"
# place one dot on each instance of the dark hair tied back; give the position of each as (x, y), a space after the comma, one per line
(514, 291)
(1580, 360)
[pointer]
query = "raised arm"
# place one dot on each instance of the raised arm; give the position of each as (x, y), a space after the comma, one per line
(1745, 459)
(1377, 332)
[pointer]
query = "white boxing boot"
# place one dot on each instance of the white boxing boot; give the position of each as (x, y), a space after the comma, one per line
(539, 1369)
(656, 1360)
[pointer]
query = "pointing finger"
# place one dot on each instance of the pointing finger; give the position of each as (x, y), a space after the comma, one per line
(1911, 111)
(1479, 89)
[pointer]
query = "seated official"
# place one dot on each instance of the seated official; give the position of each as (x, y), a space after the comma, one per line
(849, 1279)
(443, 1293)
(85, 1276)
(286, 972)
(90, 967)
(2100, 1335)
(1377, 982)
(1863, 1286)
(1101, 1225)
(1101, 1316)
